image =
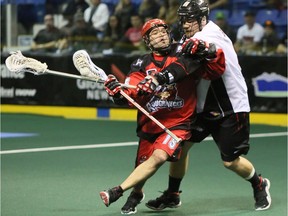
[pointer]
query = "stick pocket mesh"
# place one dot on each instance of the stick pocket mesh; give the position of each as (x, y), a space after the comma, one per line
(17, 63)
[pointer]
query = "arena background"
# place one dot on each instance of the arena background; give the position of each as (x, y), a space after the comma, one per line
(63, 141)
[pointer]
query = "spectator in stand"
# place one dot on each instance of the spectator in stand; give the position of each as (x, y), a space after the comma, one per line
(49, 39)
(53, 6)
(282, 46)
(221, 21)
(164, 5)
(218, 4)
(249, 35)
(26, 17)
(124, 10)
(132, 39)
(148, 9)
(72, 7)
(270, 38)
(83, 36)
(97, 16)
(168, 12)
(113, 32)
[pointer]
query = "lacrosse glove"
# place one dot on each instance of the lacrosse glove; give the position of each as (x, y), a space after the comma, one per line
(200, 48)
(147, 85)
(112, 86)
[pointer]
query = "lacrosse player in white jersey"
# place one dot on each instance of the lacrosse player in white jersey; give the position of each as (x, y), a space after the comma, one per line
(222, 107)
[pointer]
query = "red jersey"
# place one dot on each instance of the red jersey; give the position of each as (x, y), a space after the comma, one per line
(173, 105)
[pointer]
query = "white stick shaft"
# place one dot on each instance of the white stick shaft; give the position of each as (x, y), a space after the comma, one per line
(72, 75)
(177, 139)
(58, 73)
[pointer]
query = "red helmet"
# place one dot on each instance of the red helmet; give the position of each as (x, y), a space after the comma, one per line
(151, 24)
(148, 27)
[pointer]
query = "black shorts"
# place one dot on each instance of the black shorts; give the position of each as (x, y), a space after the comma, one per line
(230, 133)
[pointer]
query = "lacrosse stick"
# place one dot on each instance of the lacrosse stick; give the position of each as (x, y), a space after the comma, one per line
(18, 63)
(83, 63)
(87, 68)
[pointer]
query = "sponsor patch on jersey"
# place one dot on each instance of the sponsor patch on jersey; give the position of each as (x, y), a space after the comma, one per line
(170, 142)
(138, 62)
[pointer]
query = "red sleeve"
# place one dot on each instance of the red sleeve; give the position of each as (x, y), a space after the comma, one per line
(215, 67)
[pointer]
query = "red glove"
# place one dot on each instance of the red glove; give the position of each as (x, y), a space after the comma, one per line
(147, 85)
(190, 46)
(194, 46)
(112, 86)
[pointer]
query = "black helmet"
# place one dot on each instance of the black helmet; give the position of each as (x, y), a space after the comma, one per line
(191, 10)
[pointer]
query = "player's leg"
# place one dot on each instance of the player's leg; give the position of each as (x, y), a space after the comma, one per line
(244, 168)
(232, 137)
(171, 196)
(177, 171)
(145, 149)
(140, 173)
(164, 147)
(179, 168)
(135, 197)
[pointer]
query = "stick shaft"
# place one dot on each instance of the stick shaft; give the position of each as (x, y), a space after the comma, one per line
(177, 139)
(58, 73)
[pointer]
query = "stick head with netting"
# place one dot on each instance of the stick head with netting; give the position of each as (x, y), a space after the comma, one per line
(86, 67)
(18, 63)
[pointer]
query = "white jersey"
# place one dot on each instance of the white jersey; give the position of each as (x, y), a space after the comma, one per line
(247, 35)
(227, 94)
(100, 17)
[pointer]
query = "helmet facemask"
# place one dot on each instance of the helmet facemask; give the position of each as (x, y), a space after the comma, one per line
(156, 36)
(193, 10)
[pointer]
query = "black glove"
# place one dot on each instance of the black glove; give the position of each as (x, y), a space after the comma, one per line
(112, 86)
(163, 77)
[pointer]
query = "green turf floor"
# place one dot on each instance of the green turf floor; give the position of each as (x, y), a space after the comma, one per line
(67, 182)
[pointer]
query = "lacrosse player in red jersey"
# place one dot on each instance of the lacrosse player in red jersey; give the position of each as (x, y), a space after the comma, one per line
(222, 107)
(172, 104)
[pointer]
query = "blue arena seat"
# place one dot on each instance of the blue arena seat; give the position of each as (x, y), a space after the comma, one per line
(240, 4)
(281, 23)
(266, 14)
(236, 18)
(136, 3)
(282, 18)
(111, 5)
(257, 4)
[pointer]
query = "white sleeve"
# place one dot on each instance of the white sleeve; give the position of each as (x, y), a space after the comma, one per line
(87, 14)
(259, 33)
(101, 17)
(240, 33)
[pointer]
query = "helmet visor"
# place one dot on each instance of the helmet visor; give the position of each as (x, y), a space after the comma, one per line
(184, 19)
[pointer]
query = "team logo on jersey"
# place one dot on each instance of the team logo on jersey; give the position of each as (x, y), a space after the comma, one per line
(166, 97)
